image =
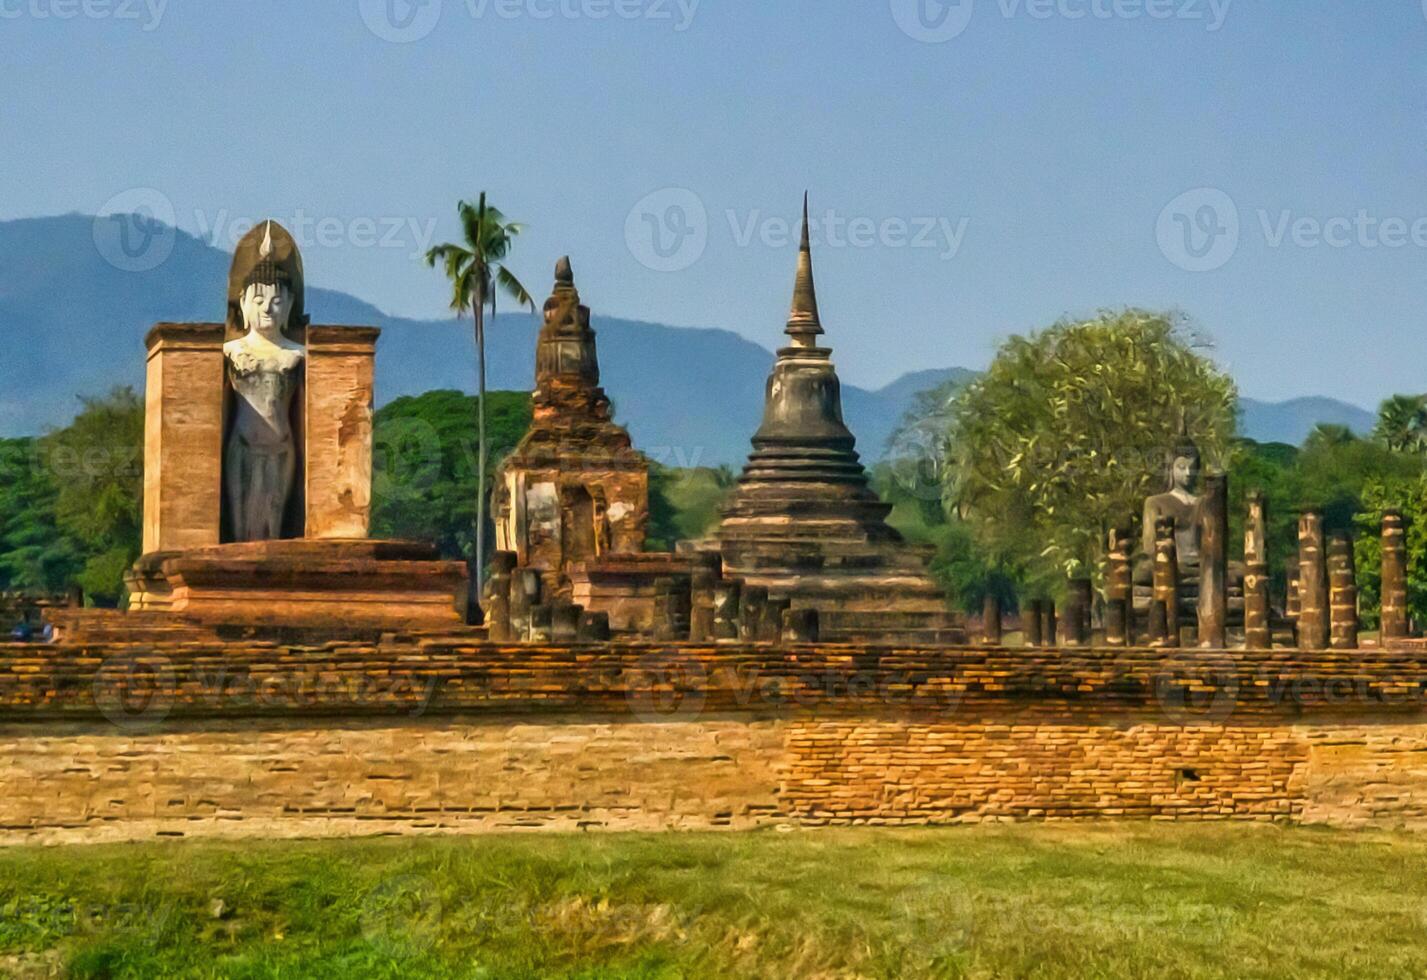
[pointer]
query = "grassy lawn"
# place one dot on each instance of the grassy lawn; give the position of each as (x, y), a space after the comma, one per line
(1032, 900)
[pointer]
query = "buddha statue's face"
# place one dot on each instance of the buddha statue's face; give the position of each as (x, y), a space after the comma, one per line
(266, 308)
(1184, 474)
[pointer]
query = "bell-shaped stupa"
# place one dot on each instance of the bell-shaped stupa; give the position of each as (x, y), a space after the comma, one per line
(803, 521)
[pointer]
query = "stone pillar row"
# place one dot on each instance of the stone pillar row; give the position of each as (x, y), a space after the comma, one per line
(1322, 598)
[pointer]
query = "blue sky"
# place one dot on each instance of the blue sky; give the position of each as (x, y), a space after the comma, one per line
(986, 167)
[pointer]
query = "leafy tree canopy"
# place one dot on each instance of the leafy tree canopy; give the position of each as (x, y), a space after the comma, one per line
(1066, 433)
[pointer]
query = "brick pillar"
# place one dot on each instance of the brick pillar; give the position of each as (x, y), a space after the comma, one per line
(991, 620)
(183, 436)
(1031, 622)
(1214, 563)
(1343, 594)
(497, 604)
(1119, 606)
(1394, 576)
(525, 587)
(701, 615)
(672, 608)
(725, 610)
(1166, 580)
(1312, 583)
(1075, 626)
(1158, 624)
(1257, 631)
(1048, 623)
(338, 451)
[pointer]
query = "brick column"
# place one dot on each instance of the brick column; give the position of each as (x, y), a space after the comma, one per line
(1394, 576)
(1214, 563)
(1257, 631)
(1076, 618)
(991, 620)
(183, 436)
(1119, 605)
(1312, 583)
(1166, 581)
(1031, 622)
(497, 604)
(338, 424)
(1048, 623)
(1343, 594)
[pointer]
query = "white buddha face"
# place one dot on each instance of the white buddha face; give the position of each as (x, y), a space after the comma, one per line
(1185, 473)
(266, 308)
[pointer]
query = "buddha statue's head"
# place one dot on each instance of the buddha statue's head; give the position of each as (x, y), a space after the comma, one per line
(266, 301)
(1184, 467)
(265, 285)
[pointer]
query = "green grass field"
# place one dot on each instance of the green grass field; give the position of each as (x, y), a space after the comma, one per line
(1104, 900)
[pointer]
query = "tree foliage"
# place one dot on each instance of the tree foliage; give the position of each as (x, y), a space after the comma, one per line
(425, 459)
(97, 465)
(1066, 433)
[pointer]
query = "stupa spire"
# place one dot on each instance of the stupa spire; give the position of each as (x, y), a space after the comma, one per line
(803, 323)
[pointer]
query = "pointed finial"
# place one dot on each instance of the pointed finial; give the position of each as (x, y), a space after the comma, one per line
(803, 323)
(265, 250)
(564, 275)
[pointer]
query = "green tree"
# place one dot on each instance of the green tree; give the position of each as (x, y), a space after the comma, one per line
(425, 457)
(97, 465)
(35, 555)
(1065, 434)
(478, 274)
(1402, 423)
(1380, 495)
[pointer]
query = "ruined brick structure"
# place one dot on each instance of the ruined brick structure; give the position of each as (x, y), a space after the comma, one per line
(575, 488)
(803, 522)
(116, 741)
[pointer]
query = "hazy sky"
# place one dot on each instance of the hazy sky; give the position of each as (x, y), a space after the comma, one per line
(987, 166)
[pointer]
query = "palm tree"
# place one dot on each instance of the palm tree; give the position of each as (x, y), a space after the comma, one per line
(1402, 423)
(477, 273)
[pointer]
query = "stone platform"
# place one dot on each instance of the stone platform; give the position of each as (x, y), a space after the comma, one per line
(356, 584)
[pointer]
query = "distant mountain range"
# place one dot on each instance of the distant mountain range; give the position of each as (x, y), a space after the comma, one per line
(72, 323)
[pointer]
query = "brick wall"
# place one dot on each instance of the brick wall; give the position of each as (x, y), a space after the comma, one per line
(421, 736)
